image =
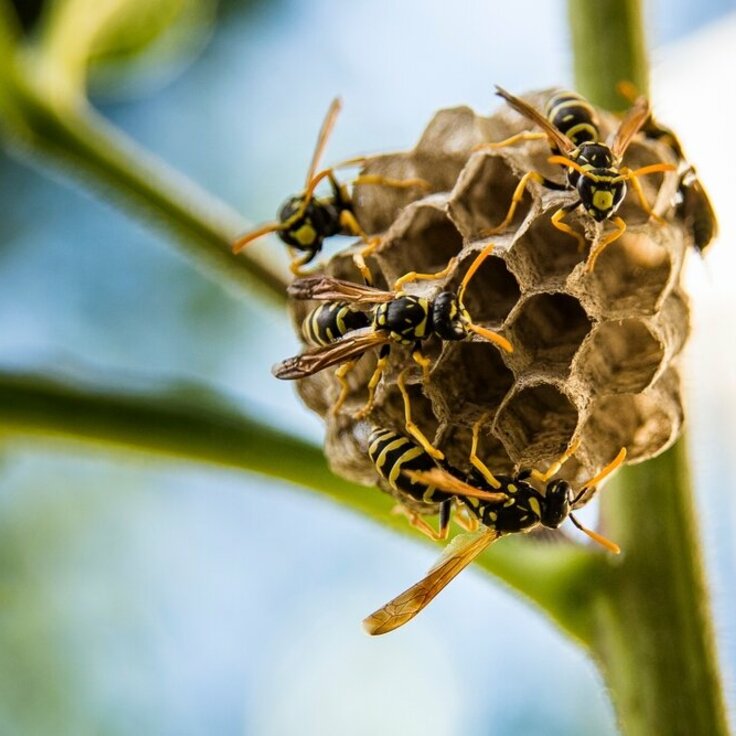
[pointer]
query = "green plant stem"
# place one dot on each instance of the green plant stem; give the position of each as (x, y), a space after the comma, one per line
(609, 47)
(654, 637)
(44, 408)
(653, 634)
(79, 141)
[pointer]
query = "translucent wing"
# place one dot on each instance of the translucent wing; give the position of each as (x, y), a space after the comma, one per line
(325, 288)
(634, 119)
(463, 549)
(561, 141)
(313, 361)
(329, 123)
(446, 481)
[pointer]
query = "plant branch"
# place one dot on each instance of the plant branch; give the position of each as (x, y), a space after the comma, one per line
(203, 430)
(80, 142)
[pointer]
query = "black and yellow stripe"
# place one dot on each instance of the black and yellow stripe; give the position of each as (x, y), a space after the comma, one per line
(391, 454)
(574, 116)
(329, 322)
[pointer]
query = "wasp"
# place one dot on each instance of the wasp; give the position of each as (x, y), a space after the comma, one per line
(694, 206)
(593, 168)
(495, 505)
(396, 318)
(305, 220)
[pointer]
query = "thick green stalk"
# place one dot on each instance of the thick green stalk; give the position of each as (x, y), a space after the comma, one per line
(201, 429)
(75, 139)
(654, 637)
(653, 633)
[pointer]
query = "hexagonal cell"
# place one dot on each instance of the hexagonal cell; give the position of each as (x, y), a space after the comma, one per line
(620, 357)
(424, 240)
(536, 421)
(546, 331)
(492, 291)
(544, 255)
(483, 194)
(377, 206)
(630, 276)
(453, 132)
(473, 377)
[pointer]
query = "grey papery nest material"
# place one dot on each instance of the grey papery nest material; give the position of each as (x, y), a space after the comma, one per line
(595, 352)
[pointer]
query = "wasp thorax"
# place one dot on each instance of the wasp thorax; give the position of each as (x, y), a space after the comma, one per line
(406, 318)
(595, 352)
(306, 226)
(449, 317)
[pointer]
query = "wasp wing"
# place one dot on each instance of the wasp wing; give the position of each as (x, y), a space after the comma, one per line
(313, 361)
(458, 554)
(325, 288)
(632, 123)
(324, 133)
(446, 481)
(559, 139)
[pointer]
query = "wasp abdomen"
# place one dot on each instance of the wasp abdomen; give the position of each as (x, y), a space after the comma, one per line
(573, 115)
(329, 322)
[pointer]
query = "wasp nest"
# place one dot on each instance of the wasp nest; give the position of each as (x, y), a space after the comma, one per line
(595, 351)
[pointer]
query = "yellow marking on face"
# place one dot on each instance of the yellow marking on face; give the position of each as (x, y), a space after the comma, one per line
(305, 235)
(603, 200)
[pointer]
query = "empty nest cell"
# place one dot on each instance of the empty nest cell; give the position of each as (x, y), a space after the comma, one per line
(546, 331)
(536, 422)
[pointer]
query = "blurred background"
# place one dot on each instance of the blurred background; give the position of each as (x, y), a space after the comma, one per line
(151, 597)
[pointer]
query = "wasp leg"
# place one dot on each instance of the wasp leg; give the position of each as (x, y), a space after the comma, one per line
(412, 428)
(351, 225)
(465, 520)
(385, 181)
(565, 228)
(414, 276)
(422, 360)
(420, 524)
(525, 135)
(605, 242)
(341, 374)
(633, 177)
(555, 467)
(296, 264)
(515, 199)
(476, 462)
(375, 378)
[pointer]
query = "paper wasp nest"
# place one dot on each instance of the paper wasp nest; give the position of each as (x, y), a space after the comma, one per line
(595, 353)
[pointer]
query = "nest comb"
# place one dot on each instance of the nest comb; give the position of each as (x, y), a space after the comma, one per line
(595, 352)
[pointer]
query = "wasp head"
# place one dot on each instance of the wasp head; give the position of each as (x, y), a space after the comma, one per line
(449, 317)
(305, 223)
(556, 506)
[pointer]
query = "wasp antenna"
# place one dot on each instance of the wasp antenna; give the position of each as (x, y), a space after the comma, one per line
(491, 336)
(244, 240)
(599, 538)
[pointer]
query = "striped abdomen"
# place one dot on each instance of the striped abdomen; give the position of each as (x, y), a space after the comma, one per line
(329, 322)
(572, 115)
(393, 453)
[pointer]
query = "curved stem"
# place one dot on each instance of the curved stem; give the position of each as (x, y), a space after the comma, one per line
(202, 430)
(78, 140)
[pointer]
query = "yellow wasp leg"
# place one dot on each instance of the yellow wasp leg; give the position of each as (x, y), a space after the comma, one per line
(375, 378)
(414, 276)
(412, 428)
(296, 264)
(555, 467)
(518, 195)
(642, 197)
(526, 135)
(605, 242)
(349, 223)
(476, 462)
(565, 228)
(420, 524)
(425, 363)
(341, 374)
(465, 520)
